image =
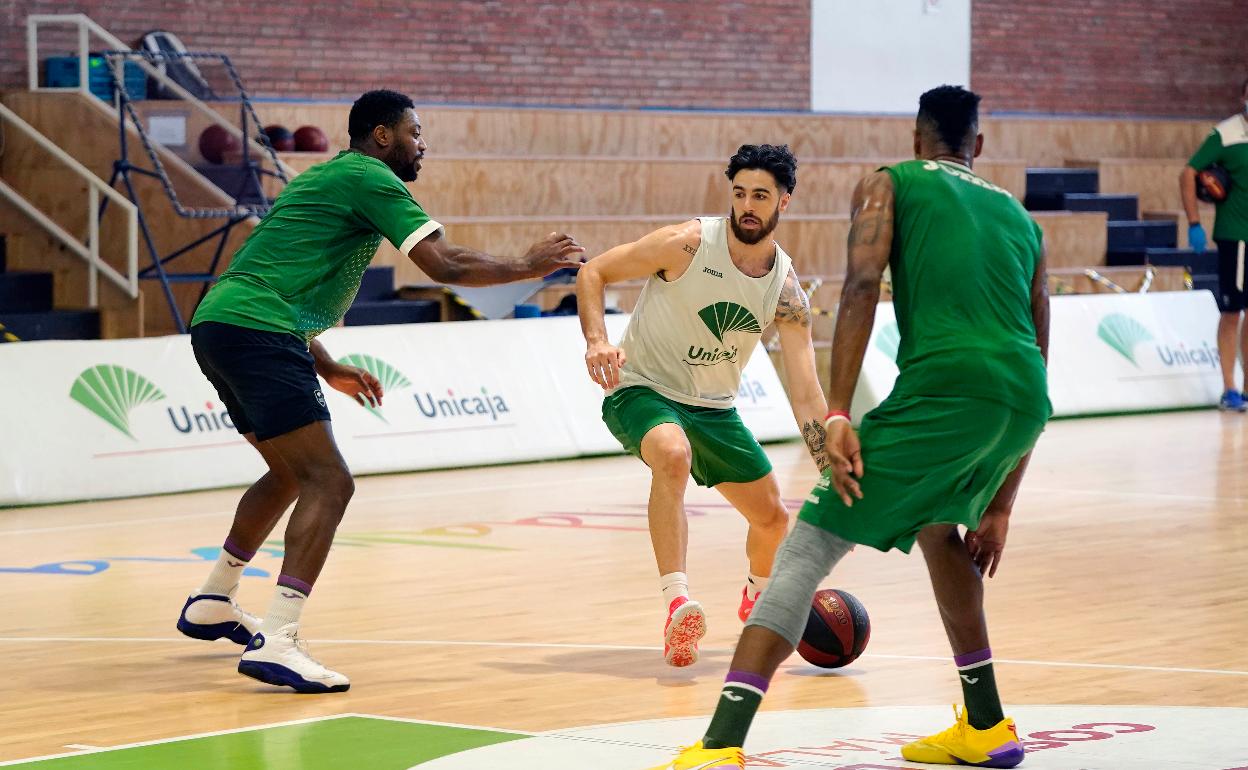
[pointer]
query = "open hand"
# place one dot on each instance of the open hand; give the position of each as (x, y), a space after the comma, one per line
(604, 362)
(554, 252)
(987, 542)
(357, 383)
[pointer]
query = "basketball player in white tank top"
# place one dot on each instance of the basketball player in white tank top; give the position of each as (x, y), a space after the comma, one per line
(714, 284)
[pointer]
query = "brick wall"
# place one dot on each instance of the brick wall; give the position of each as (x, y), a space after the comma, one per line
(738, 55)
(1066, 56)
(1110, 57)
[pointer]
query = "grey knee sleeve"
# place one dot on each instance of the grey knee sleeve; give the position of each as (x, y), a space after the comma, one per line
(805, 558)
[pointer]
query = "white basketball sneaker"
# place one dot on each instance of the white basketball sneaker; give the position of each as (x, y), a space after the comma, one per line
(213, 616)
(281, 658)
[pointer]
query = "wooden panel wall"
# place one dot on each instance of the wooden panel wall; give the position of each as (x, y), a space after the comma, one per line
(88, 132)
(509, 132)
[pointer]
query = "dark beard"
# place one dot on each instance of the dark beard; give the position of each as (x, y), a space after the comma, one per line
(750, 239)
(407, 173)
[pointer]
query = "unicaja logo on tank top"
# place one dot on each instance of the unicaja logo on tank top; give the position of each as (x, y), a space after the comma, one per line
(721, 318)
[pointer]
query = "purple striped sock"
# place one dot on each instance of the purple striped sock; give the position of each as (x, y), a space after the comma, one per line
(293, 582)
(972, 658)
(234, 550)
(757, 681)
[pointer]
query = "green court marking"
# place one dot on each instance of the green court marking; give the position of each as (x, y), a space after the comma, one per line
(330, 744)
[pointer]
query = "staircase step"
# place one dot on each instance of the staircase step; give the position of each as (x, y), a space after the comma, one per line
(377, 285)
(395, 311)
(53, 325)
(1046, 186)
(1120, 208)
(1125, 236)
(25, 292)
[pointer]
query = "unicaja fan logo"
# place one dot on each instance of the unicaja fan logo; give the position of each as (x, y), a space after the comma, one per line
(722, 318)
(110, 392)
(391, 379)
(728, 317)
(1123, 333)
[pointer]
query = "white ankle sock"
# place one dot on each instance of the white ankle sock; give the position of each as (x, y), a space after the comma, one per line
(754, 586)
(286, 608)
(673, 584)
(225, 574)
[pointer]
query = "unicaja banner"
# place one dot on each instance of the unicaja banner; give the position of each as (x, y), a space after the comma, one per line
(113, 418)
(1108, 353)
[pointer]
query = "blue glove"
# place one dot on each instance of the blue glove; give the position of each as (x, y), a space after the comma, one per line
(1196, 238)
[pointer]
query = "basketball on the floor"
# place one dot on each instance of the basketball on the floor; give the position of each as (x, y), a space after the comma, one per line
(280, 137)
(1213, 183)
(837, 629)
(311, 139)
(215, 143)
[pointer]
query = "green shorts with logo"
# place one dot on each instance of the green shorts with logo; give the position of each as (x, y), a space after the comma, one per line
(723, 448)
(926, 460)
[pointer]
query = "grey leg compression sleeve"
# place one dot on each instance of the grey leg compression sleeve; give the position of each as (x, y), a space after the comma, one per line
(805, 558)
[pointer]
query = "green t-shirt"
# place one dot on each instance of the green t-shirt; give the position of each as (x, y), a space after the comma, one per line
(963, 258)
(301, 267)
(1228, 145)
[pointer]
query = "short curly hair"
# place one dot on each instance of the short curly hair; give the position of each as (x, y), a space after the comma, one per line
(777, 160)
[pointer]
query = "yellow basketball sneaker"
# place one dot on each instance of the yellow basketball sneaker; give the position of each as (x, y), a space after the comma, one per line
(962, 744)
(697, 758)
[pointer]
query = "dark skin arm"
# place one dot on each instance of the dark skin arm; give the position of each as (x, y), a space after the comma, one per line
(446, 262)
(357, 383)
(870, 243)
(987, 543)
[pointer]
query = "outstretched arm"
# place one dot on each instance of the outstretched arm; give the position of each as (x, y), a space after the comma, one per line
(870, 243)
(666, 251)
(797, 348)
(445, 262)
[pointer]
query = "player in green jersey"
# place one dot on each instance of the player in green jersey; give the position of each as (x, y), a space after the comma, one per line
(949, 445)
(1227, 145)
(254, 339)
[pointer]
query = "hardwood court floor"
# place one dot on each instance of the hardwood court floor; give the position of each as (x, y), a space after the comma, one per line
(524, 598)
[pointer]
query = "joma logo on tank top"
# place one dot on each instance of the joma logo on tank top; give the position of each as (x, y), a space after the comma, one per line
(721, 318)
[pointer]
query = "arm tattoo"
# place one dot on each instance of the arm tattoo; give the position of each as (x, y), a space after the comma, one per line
(691, 251)
(794, 305)
(865, 230)
(816, 437)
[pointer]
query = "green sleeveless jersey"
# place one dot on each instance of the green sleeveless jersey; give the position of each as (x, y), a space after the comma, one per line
(963, 257)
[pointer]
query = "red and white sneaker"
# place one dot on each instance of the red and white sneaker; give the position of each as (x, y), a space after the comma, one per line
(747, 604)
(686, 625)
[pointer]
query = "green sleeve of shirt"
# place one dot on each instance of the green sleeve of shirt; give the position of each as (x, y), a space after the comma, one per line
(1208, 153)
(385, 202)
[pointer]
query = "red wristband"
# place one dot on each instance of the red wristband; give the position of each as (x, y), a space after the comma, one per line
(836, 413)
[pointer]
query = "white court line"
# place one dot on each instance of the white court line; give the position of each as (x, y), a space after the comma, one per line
(82, 747)
(357, 500)
(409, 720)
(141, 744)
(615, 647)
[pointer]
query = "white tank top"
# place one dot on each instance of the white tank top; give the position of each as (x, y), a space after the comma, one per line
(689, 339)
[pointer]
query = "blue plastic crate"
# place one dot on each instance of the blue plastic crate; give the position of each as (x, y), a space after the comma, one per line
(62, 72)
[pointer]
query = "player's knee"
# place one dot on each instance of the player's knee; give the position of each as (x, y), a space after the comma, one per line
(329, 482)
(672, 460)
(937, 536)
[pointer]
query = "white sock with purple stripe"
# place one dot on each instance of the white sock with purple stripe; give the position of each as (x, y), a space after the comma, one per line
(228, 570)
(287, 606)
